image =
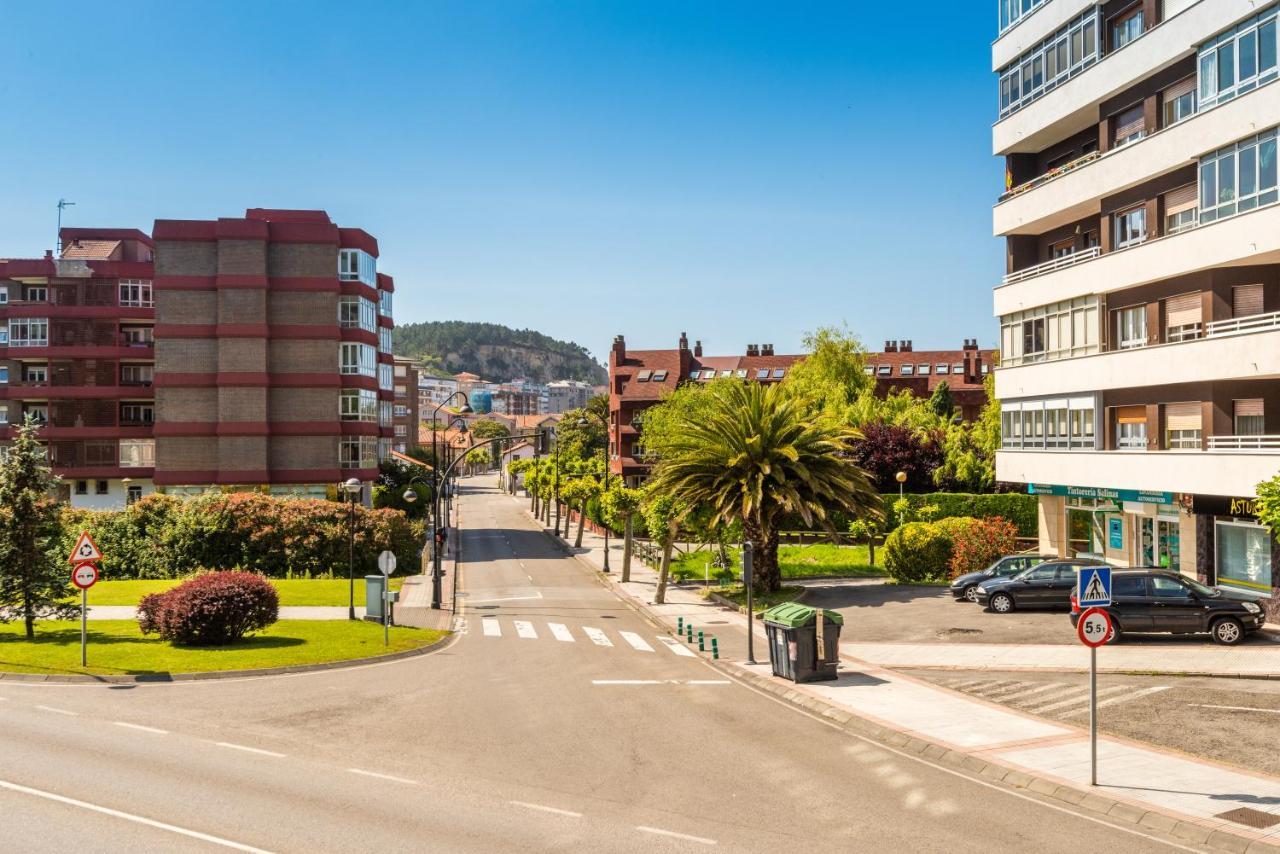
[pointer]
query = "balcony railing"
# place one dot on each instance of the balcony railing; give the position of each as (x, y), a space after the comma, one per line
(1244, 443)
(1050, 175)
(1059, 263)
(1243, 325)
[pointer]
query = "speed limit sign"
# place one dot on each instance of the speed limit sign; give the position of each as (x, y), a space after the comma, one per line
(1094, 627)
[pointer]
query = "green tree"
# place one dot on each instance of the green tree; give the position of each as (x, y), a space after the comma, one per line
(34, 578)
(620, 504)
(940, 402)
(833, 373)
(581, 433)
(1269, 504)
(969, 450)
(394, 479)
(488, 429)
(576, 492)
(760, 457)
(662, 514)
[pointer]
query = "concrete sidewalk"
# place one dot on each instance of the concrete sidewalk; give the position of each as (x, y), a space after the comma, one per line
(1139, 784)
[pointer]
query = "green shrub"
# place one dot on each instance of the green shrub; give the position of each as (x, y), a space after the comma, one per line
(917, 551)
(1018, 508)
(977, 546)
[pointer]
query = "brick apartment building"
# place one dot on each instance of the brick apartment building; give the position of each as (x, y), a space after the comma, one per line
(406, 406)
(242, 352)
(639, 378)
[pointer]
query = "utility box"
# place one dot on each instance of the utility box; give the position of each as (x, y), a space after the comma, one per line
(374, 585)
(793, 631)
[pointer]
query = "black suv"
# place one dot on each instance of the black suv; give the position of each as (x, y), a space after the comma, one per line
(1048, 585)
(965, 587)
(1158, 600)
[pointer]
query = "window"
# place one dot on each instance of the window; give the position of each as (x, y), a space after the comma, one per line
(384, 340)
(136, 293)
(4, 373)
(385, 299)
(762, 373)
(724, 375)
(1128, 585)
(1061, 424)
(132, 494)
(1183, 423)
(137, 453)
(779, 373)
(1125, 29)
(1243, 553)
(357, 359)
(357, 313)
(1238, 60)
(643, 376)
(1180, 209)
(138, 336)
(1132, 436)
(742, 373)
(358, 452)
(659, 376)
(907, 370)
(1131, 227)
(1013, 11)
(82, 487)
(1130, 126)
(36, 374)
(922, 370)
(986, 368)
(1049, 64)
(1238, 178)
(1182, 317)
(1179, 101)
(384, 413)
(1062, 248)
(358, 404)
(401, 411)
(1247, 417)
(37, 293)
(386, 381)
(4, 413)
(134, 414)
(28, 332)
(884, 370)
(1131, 327)
(1033, 339)
(102, 487)
(4, 294)
(136, 374)
(957, 369)
(693, 375)
(942, 369)
(401, 431)
(356, 265)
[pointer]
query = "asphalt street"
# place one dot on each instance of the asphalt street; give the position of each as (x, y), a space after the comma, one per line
(558, 720)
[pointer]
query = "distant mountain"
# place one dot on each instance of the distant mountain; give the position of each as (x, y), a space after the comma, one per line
(497, 353)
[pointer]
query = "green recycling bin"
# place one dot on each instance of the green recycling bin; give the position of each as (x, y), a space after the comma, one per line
(792, 629)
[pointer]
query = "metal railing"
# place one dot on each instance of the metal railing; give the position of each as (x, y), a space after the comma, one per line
(1050, 175)
(1059, 263)
(1244, 443)
(1243, 325)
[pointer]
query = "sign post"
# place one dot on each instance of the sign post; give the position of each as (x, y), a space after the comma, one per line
(84, 576)
(746, 582)
(1094, 628)
(386, 563)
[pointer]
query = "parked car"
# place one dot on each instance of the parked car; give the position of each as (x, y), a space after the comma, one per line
(1159, 600)
(965, 587)
(1048, 585)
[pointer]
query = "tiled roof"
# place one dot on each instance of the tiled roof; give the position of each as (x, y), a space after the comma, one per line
(652, 361)
(932, 358)
(91, 250)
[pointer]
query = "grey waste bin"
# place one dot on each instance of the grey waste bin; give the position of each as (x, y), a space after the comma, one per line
(793, 642)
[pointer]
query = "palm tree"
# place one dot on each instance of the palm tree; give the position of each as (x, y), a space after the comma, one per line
(760, 457)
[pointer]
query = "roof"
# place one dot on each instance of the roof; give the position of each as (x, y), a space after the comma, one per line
(516, 447)
(656, 361)
(466, 376)
(525, 421)
(91, 250)
(71, 233)
(933, 358)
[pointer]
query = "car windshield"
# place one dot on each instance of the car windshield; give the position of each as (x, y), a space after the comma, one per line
(1202, 589)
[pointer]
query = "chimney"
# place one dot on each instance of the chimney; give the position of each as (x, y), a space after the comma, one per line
(906, 346)
(48, 254)
(891, 346)
(753, 350)
(766, 349)
(697, 349)
(619, 348)
(971, 343)
(684, 341)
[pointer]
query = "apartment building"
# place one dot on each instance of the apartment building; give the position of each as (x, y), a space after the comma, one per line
(77, 356)
(273, 353)
(563, 395)
(405, 405)
(433, 391)
(900, 367)
(1140, 306)
(518, 397)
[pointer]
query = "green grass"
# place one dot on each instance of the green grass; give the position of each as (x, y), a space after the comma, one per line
(810, 561)
(293, 591)
(117, 647)
(738, 595)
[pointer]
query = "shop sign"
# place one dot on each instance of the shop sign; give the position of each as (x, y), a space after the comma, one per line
(1102, 493)
(1115, 533)
(1224, 505)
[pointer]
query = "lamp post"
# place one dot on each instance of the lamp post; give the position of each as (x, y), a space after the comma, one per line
(352, 488)
(436, 532)
(901, 477)
(410, 497)
(604, 452)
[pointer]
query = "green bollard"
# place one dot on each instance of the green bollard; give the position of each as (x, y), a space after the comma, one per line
(679, 625)
(715, 650)
(689, 634)
(702, 646)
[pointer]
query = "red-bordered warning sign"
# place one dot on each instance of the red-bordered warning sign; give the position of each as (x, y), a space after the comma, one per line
(84, 576)
(85, 551)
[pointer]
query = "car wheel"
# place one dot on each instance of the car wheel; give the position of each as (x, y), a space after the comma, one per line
(971, 593)
(1002, 603)
(1228, 631)
(1116, 633)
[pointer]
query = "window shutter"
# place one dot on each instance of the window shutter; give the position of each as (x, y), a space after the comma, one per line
(1129, 122)
(1182, 416)
(1248, 408)
(1179, 200)
(1177, 90)
(1131, 415)
(1183, 309)
(1246, 300)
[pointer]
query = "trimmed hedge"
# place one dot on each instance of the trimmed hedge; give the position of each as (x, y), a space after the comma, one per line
(212, 609)
(922, 551)
(1018, 508)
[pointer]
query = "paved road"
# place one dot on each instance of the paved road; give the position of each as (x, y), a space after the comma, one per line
(566, 725)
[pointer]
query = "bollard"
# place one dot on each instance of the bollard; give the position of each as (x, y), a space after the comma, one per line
(715, 649)
(679, 625)
(702, 647)
(689, 632)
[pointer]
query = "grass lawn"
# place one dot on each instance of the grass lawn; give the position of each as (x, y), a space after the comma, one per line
(293, 591)
(738, 595)
(794, 561)
(116, 646)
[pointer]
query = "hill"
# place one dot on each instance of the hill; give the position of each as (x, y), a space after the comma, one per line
(495, 352)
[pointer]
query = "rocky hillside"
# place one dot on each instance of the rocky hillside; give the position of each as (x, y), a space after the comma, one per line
(497, 353)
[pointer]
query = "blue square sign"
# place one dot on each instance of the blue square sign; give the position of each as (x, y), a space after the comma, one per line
(1093, 586)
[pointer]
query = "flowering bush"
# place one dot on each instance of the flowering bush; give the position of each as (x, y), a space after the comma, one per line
(976, 546)
(212, 609)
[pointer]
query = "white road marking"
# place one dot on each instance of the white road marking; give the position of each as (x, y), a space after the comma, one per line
(383, 776)
(1031, 691)
(57, 711)
(626, 682)
(1235, 708)
(491, 627)
(542, 808)
(561, 632)
(636, 641)
(701, 840)
(1084, 698)
(995, 688)
(598, 637)
(137, 819)
(525, 629)
(1124, 698)
(1001, 692)
(710, 682)
(141, 728)
(507, 599)
(1057, 695)
(677, 647)
(257, 750)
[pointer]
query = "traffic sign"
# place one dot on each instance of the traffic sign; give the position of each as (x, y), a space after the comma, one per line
(84, 576)
(1094, 627)
(85, 551)
(387, 562)
(1093, 586)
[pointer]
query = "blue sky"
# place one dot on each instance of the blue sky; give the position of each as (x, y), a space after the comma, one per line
(740, 171)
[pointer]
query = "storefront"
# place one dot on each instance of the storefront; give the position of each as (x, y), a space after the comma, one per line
(1124, 527)
(1240, 552)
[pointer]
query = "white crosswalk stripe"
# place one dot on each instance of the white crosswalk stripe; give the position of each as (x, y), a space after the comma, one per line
(677, 647)
(1122, 698)
(636, 641)
(561, 632)
(525, 629)
(598, 637)
(1030, 692)
(492, 629)
(1082, 698)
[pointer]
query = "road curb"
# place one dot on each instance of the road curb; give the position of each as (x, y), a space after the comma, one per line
(162, 678)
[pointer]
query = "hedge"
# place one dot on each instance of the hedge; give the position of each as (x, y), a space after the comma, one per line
(922, 551)
(1018, 508)
(161, 536)
(212, 609)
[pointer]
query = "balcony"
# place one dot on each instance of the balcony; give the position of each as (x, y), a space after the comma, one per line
(1053, 265)
(1265, 444)
(1201, 472)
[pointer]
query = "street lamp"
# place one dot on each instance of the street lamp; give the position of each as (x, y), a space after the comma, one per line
(352, 488)
(604, 452)
(437, 530)
(901, 477)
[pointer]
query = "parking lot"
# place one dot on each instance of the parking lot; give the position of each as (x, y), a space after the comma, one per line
(876, 611)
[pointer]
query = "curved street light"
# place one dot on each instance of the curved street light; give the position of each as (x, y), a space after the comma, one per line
(353, 487)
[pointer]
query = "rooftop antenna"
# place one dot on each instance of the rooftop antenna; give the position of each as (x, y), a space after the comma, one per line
(62, 203)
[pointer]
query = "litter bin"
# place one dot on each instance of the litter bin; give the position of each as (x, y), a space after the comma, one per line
(793, 642)
(373, 587)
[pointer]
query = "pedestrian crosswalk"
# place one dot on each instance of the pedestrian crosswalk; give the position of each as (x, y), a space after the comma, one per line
(493, 627)
(1060, 699)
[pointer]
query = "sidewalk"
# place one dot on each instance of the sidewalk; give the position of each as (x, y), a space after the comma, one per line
(1156, 789)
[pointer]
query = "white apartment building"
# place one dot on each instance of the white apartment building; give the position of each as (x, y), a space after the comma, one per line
(1140, 311)
(563, 395)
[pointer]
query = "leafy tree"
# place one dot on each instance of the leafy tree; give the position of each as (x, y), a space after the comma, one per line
(577, 491)
(489, 429)
(940, 402)
(833, 373)
(581, 433)
(1269, 504)
(33, 575)
(662, 514)
(969, 450)
(394, 478)
(759, 457)
(620, 503)
(663, 423)
(886, 449)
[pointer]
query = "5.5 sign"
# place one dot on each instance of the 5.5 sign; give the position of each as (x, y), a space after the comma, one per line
(1094, 627)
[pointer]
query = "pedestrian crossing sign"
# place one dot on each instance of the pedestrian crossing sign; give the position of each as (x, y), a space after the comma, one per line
(1093, 584)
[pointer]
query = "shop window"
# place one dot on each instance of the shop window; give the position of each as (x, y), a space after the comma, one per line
(1243, 557)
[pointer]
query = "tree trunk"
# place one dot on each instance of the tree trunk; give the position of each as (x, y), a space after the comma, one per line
(660, 595)
(582, 521)
(765, 576)
(626, 548)
(871, 550)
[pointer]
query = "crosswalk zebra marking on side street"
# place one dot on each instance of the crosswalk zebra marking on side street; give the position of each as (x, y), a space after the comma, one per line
(561, 632)
(677, 647)
(492, 628)
(598, 637)
(636, 641)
